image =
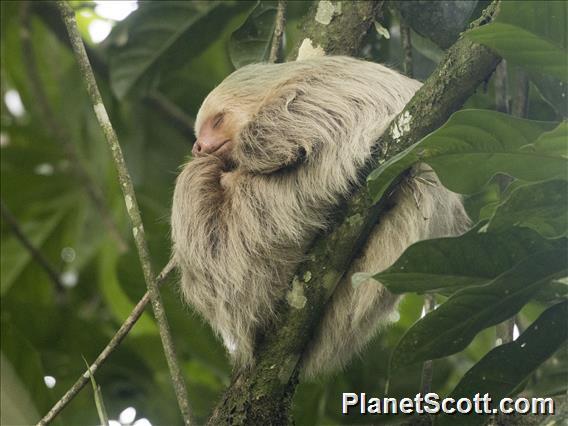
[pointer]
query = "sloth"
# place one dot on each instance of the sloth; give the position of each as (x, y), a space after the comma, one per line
(279, 147)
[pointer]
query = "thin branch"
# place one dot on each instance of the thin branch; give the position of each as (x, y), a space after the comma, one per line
(519, 107)
(520, 104)
(405, 40)
(501, 89)
(279, 28)
(504, 331)
(131, 206)
(427, 367)
(59, 132)
(109, 349)
(34, 252)
(171, 111)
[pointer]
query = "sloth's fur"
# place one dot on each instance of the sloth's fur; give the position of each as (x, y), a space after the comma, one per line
(303, 130)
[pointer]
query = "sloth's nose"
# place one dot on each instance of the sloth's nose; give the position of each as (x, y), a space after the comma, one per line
(209, 145)
(196, 150)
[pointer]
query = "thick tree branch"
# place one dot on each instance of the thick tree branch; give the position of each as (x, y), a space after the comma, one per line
(60, 133)
(336, 28)
(131, 205)
(263, 394)
(109, 349)
(34, 252)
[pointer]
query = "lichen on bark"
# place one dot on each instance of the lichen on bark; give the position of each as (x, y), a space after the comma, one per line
(347, 25)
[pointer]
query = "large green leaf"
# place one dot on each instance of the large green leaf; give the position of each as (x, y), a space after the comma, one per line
(472, 147)
(520, 47)
(471, 259)
(547, 19)
(504, 368)
(251, 42)
(163, 35)
(540, 206)
(452, 326)
(531, 34)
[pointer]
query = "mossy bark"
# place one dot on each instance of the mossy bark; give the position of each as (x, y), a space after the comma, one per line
(263, 394)
(348, 23)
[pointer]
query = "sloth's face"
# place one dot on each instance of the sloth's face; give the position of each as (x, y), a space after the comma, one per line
(216, 136)
(218, 133)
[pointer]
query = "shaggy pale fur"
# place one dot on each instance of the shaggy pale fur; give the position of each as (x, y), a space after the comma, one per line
(302, 130)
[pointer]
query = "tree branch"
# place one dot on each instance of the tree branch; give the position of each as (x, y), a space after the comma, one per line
(131, 205)
(279, 28)
(336, 28)
(405, 40)
(34, 252)
(263, 394)
(501, 89)
(109, 349)
(520, 104)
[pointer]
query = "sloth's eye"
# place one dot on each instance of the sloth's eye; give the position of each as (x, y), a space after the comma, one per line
(218, 120)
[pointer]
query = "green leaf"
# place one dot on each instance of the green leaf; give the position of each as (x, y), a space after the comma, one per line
(451, 263)
(481, 205)
(472, 147)
(251, 42)
(503, 369)
(547, 19)
(116, 299)
(25, 374)
(556, 291)
(540, 206)
(15, 257)
(522, 48)
(17, 405)
(554, 143)
(531, 34)
(163, 35)
(553, 91)
(452, 326)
